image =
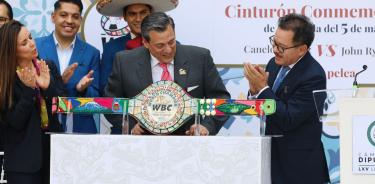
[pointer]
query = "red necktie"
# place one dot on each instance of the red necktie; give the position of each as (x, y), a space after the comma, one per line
(165, 75)
(134, 43)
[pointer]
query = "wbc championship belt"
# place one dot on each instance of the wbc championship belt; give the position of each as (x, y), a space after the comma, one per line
(163, 107)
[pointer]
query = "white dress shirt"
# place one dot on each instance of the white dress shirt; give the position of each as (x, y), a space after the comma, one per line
(64, 54)
(157, 70)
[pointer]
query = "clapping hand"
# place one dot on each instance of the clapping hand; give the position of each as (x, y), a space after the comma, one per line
(43, 79)
(85, 81)
(27, 76)
(257, 77)
(68, 72)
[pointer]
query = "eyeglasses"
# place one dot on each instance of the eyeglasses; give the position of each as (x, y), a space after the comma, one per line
(281, 49)
(3, 20)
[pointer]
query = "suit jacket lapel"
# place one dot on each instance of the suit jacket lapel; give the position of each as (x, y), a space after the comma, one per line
(51, 51)
(181, 68)
(144, 73)
(293, 74)
(274, 70)
(78, 50)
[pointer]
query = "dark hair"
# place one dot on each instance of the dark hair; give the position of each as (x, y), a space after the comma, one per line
(303, 28)
(57, 4)
(8, 61)
(157, 21)
(10, 11)
(125, 9)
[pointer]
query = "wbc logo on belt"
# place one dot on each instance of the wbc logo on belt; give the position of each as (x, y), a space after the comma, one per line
(162, 106)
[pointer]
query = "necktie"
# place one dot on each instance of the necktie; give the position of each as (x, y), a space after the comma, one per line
(280, 78)
(165, 75)
(134, 43)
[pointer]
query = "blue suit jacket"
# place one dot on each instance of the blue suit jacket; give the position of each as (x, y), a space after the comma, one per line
(298, 156)
(109, 51)
(88, 58)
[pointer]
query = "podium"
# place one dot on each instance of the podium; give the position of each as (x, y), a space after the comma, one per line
(161, 109)
(354, 110)
(113, 159)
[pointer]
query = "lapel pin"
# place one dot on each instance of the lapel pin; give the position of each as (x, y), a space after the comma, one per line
(182, 71)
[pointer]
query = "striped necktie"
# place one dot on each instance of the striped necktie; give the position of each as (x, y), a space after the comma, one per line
(280, 78)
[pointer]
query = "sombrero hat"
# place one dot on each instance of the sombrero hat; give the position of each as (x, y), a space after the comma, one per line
(114, 8)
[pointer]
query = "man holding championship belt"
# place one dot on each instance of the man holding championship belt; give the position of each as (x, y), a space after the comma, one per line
(161, 59)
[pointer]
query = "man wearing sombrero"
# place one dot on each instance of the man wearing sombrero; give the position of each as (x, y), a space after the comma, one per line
(133, 12)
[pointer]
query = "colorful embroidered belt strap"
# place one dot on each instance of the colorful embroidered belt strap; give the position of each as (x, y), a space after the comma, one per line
(163, 106)
(208, 107)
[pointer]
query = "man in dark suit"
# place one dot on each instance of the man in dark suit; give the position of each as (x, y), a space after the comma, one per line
(289, 78)
(133, 12)
(161, 59)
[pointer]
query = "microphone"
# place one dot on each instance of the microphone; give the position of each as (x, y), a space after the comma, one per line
(355, 84)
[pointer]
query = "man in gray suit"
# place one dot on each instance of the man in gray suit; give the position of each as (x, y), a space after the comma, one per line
(162, 59)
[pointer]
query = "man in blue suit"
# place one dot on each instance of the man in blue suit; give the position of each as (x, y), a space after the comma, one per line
(290, 78)
(133, 12)
(77, 61)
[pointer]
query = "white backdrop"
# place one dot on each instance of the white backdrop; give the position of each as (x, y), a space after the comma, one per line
(344, 40)
(237, 31)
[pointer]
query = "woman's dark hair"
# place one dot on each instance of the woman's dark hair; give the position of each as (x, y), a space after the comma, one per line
(8, 61)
